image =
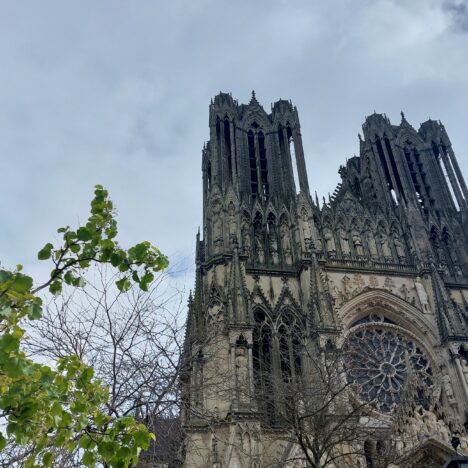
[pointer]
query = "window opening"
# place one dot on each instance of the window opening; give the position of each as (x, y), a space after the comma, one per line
(263, 164)
(394, 168)
(227, 146)
(445, 172)
(292, 152)
(253, 164)
(383, 162)
(208, 173)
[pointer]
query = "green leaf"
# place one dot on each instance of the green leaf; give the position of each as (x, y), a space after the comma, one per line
(3, 442)
(123, 284)
(83, 234)
(5, 312)
(47, 459)
(9, 343)
(45, 252)
(89, 459)
(5, 275)
(35, 312)
(75, 248)
(84, 378)
(22, 283)
(142, 438)
(56, 287)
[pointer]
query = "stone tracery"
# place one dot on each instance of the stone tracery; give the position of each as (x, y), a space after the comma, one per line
(380, 357)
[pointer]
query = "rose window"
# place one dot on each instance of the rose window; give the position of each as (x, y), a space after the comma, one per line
(379, 357)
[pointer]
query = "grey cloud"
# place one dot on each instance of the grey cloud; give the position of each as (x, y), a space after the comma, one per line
(118, 93)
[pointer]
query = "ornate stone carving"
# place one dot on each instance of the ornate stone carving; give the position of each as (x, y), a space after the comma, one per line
(384, 245)
(344, 242)
(399, 247)
(245, 232)
(329, 242)
(232, 223)
(259, 250)
(378, 359)
(242, 373)
(357, 243)
(217, 227)
(306, 229)
(404, 292)
(274, 248)
(372, 244)
(447, 386)
(286, 243)
(422, 295)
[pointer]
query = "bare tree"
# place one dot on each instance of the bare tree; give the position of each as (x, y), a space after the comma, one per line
(325, 425)
(133, 342)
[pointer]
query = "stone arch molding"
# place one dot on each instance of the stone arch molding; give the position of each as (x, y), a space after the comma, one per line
(396, 309)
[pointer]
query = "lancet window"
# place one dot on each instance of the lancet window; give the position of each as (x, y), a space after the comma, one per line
(276, 352)
(258, 162)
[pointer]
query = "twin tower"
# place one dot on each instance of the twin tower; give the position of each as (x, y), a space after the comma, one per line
(279, 272)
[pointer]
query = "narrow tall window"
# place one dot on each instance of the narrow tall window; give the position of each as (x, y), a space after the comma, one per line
(227, 146)
(208, 175)
(383, 162)
(394, 167)
(253, 164)
(292, 152)
(261, 354)
(443, 166)
(263, 164)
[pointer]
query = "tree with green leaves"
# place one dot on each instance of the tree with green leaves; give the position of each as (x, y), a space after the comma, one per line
(51, 410)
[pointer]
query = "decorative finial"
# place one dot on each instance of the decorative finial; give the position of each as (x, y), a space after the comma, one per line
(402, 115)
(253, 94)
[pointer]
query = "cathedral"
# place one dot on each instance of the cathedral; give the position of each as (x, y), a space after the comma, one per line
(326, 332)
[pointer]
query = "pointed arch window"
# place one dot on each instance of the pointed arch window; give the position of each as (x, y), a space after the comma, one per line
(252, 164)
(277, 347)
(263, 164)
(258, 162)
(227, 147)
(208, 175)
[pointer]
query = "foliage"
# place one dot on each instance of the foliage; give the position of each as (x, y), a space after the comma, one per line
(45, 409)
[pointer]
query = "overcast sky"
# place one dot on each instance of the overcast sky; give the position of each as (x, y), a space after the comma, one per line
(117, 93)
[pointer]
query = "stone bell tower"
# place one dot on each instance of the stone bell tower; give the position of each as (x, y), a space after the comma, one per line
(258, 234)
(381, 267)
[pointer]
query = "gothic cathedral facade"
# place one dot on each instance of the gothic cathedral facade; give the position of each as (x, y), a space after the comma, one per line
(377, 274)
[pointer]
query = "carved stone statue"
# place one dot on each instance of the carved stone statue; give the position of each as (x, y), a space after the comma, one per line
(245, 232)
(232, 223)
(306, 229)
(329, 241)
(259, 250)
(286, 243)
(357, 242)
(273, 241)
(217, 227)
(346, 290)
(344, 242)
(316, 239)
(404, 291)
(422, 295)
(372, 244)
(242, 373)
(447, 386)
(400, 249)
(386, 252)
